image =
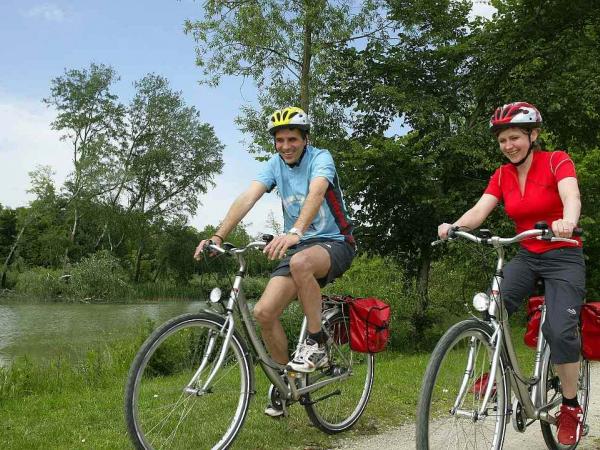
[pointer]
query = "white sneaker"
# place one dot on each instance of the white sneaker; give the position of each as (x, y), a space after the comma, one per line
(274, 410)
(309, 356)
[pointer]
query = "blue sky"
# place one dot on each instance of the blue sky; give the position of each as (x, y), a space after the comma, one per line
(42, 39)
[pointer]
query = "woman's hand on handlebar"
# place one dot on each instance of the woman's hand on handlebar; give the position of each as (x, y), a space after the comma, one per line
(202, 245)
(563, 228)
(443, 230)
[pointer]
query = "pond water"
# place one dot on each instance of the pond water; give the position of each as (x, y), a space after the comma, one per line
(43, 330)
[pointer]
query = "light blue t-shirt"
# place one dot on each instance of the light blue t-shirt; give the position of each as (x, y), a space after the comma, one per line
(332, 221)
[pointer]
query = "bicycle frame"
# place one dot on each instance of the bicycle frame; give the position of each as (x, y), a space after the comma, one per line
(271, 368)
(527, 391)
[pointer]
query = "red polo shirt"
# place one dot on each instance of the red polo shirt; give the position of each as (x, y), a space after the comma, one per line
(540, 200)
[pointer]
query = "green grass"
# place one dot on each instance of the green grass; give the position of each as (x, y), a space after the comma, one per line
(92, 417)
(61, 406)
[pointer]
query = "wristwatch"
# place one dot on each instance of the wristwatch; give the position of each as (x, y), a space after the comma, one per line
(295, 231)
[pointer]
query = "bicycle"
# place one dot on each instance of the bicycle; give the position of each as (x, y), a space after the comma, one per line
(467, 406)
(191, 382)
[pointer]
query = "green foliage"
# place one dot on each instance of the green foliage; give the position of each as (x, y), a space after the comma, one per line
(41, 283)
(98, 277)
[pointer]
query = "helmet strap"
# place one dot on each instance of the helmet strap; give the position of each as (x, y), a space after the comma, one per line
(518, 163)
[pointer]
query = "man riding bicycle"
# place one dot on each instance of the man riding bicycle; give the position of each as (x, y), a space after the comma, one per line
(317, 245)
(539, 186)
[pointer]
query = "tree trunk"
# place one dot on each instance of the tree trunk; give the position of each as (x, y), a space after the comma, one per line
(71, 239)
(159, 269)
(420, 316)
(8, 259)
(138, 262)
(306, 57)
(423, 279)
(101, 236)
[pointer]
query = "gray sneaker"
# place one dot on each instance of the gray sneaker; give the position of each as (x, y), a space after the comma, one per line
(309, 356)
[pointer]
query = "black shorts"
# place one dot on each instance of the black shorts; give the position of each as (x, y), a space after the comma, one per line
(341, 255)
(563, 272)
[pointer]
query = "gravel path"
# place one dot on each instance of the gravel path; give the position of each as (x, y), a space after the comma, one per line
(402, 438)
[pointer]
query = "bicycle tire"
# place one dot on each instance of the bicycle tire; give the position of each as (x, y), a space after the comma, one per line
(551, 384)
(436, 426)
(160, 415)
(338, 406)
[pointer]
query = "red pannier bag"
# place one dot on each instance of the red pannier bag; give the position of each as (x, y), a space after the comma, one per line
(534, 316)
(590, 331)
(369, 324)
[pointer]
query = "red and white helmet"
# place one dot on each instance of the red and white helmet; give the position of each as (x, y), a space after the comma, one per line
(517, 114)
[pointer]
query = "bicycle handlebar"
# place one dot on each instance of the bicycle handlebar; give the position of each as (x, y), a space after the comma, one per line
(236, 250)
(544, 234)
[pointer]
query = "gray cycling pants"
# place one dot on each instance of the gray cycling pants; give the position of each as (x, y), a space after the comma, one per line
(563, 272)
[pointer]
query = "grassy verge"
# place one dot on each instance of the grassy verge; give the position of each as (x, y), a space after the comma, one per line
(63, 406)
(91, 416)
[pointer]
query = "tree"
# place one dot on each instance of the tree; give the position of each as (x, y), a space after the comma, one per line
(404, 186)
(285, 49)
(90, 118)
(169, 156)
(147, 161)
(9, 239)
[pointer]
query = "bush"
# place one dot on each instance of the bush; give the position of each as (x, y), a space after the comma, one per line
(40, 283)
(99, 277)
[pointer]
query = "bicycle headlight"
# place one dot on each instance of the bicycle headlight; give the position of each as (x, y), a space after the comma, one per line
(481, 301)
(215, 295)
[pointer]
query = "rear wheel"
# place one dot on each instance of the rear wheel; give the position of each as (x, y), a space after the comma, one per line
(453, 390)
(552, 392)
(161, 413)
(337, 406)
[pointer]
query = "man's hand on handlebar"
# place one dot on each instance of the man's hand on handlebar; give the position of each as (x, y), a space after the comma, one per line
(278, 246)
(203, 243)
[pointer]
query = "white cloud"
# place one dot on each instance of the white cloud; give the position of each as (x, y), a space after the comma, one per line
(46, 11)
(27, 141)
(482, 8)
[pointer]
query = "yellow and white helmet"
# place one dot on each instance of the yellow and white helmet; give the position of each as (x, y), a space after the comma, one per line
(291, 117)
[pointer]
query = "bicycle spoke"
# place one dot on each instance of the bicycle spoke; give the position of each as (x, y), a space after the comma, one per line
(462, 356)
(161, 414)
(338, 405)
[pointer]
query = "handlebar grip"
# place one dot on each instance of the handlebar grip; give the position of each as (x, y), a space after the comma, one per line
(451, 232)
(267, 237)
(577, 231)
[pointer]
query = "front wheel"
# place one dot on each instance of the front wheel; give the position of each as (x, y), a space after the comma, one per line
(552, 393)
(337, 406)
(453, 391)
(164, 409)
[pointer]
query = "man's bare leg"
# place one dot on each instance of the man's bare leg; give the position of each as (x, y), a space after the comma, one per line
(278, 294)
(305, 267)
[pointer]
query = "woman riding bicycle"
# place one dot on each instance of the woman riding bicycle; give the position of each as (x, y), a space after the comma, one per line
(538, 186)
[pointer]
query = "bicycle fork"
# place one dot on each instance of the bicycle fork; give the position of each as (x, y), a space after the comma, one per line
(193, 387)
(495, 341)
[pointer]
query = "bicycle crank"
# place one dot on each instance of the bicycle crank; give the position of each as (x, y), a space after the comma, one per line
(519, 420)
